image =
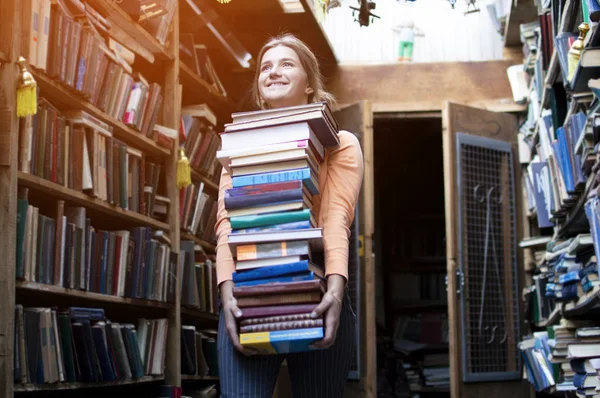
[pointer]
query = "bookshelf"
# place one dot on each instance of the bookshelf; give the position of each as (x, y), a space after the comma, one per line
(39, 289)
(177, 81)
(77, 386)
(561, 292)
(46, 187)
(62, 96)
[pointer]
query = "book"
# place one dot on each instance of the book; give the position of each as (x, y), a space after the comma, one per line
(280, 342)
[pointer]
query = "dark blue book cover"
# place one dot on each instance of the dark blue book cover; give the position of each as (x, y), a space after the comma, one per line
(108, 373)
(301, 276)
(273, 271)
(264, 199)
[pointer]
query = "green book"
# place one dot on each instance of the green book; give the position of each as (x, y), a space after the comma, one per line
(66, 338)
(269, 219)
(22, 206)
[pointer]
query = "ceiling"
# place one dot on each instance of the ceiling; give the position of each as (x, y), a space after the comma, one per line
(252, 23)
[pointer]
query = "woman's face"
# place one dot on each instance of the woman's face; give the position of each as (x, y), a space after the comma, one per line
(282, 80)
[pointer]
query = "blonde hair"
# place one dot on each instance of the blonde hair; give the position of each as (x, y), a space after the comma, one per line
(309, 63)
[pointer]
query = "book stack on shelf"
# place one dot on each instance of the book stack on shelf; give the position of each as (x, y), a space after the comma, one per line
(78, 344)
(199, 282)
(558, 144)
(198, 352)
(63, 248)
(198, 210)
(273, 157)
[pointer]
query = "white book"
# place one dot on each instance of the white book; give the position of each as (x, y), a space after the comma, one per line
(266, 262)
(43, 34)
(270, 135)
(225, 157)
(313, 235)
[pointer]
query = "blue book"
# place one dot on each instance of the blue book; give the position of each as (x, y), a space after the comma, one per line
(542, 191)
(303, 175)
(94, 314)
(569, 277)
(302, 276)
(561, 149)
(282, 341)
(277, 227)
(108, 373)
(276, 270)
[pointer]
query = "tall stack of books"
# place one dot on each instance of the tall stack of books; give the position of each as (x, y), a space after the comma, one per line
(273, 157)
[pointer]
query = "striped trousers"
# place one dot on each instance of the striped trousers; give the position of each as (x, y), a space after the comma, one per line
(314, 374)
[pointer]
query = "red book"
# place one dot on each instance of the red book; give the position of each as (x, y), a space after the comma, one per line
(279, 288)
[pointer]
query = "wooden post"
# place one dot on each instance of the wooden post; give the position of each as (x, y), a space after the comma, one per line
(9, 46)
(171, 117)
(369, 263)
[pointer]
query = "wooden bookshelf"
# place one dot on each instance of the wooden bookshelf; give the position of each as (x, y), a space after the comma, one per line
(81, 199)
(588, 302)
(551, 320)
(197, 90)
(175, 80)
(73, 386)
(33, 288)
(131, 27)
(67, 98)
(212, 187)
(198, 314)
(205, 245)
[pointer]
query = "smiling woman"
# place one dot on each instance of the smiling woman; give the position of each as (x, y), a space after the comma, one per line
(287, 61)
(288, 75)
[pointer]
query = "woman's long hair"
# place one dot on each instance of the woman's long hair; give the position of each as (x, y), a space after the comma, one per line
(309, 63)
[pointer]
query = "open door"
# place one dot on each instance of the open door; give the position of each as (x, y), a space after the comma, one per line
(482, 229)
(358, 119)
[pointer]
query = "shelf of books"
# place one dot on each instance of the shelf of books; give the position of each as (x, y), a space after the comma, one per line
(558, 146)
(99, 262)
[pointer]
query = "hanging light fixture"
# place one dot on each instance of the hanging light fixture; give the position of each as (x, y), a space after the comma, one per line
(224, 1)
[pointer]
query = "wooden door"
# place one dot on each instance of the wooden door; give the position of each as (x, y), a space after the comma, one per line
(482, 230)
(358, 119)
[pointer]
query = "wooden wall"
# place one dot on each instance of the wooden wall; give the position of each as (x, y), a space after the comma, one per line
(423, 87)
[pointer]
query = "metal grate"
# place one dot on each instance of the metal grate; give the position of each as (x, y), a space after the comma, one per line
(354, 291)
(487, 259)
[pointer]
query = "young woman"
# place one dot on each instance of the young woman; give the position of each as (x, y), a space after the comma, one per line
(288, 74)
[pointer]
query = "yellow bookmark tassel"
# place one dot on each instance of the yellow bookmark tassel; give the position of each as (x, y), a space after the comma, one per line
(26, 91)
(184, 172)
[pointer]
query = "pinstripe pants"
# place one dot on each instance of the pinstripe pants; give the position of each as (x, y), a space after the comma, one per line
(319, 373)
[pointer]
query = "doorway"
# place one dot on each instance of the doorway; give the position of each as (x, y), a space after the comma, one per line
(410, 247)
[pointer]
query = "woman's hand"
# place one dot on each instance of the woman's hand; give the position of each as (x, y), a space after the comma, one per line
(331, 307)
(232, 313)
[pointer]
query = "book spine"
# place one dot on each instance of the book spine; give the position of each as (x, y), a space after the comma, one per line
(279, 176)
(269, 219)
(263, 199)
(277, 288)
(277, 270)
(267, 327)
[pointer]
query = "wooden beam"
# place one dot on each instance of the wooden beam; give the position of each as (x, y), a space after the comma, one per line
(423, 86)
(436, 106)
(10, 46)
(369, 270)
(171, 118)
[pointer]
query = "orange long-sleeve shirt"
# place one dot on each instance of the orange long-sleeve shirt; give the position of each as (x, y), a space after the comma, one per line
(340, 180)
